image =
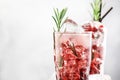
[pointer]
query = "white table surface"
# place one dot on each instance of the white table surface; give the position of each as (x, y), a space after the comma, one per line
(91, 77)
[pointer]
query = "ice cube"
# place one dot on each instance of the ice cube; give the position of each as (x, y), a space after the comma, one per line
(69, 26)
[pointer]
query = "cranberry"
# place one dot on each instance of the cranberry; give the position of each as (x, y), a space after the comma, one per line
(94, 29)
(101, 28)
(87, 27)
(94, 47)
(68, 54)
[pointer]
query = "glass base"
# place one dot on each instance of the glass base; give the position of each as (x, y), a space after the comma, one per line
(91, 77)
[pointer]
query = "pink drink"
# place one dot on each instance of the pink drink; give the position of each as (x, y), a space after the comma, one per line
(98, 46)
(72, 55)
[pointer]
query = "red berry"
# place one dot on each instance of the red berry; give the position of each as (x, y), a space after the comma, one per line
(94, 29)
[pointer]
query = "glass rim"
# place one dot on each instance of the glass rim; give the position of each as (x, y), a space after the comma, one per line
(73, 33)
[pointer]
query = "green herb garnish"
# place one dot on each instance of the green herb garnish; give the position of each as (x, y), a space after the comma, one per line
(97, 10)
(59, 18)
(97, 7)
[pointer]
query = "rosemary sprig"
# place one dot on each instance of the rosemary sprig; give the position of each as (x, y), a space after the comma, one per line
(59, 17)
(97, 10)
(72, 47)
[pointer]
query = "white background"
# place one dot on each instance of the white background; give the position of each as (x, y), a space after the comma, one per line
(26, 51)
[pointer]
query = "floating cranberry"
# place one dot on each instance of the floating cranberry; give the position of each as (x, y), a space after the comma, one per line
(97, 55)
(68, 54)
(101, 28)
(82, 73)
(87, 27)
(94, 29)
(94, 47)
